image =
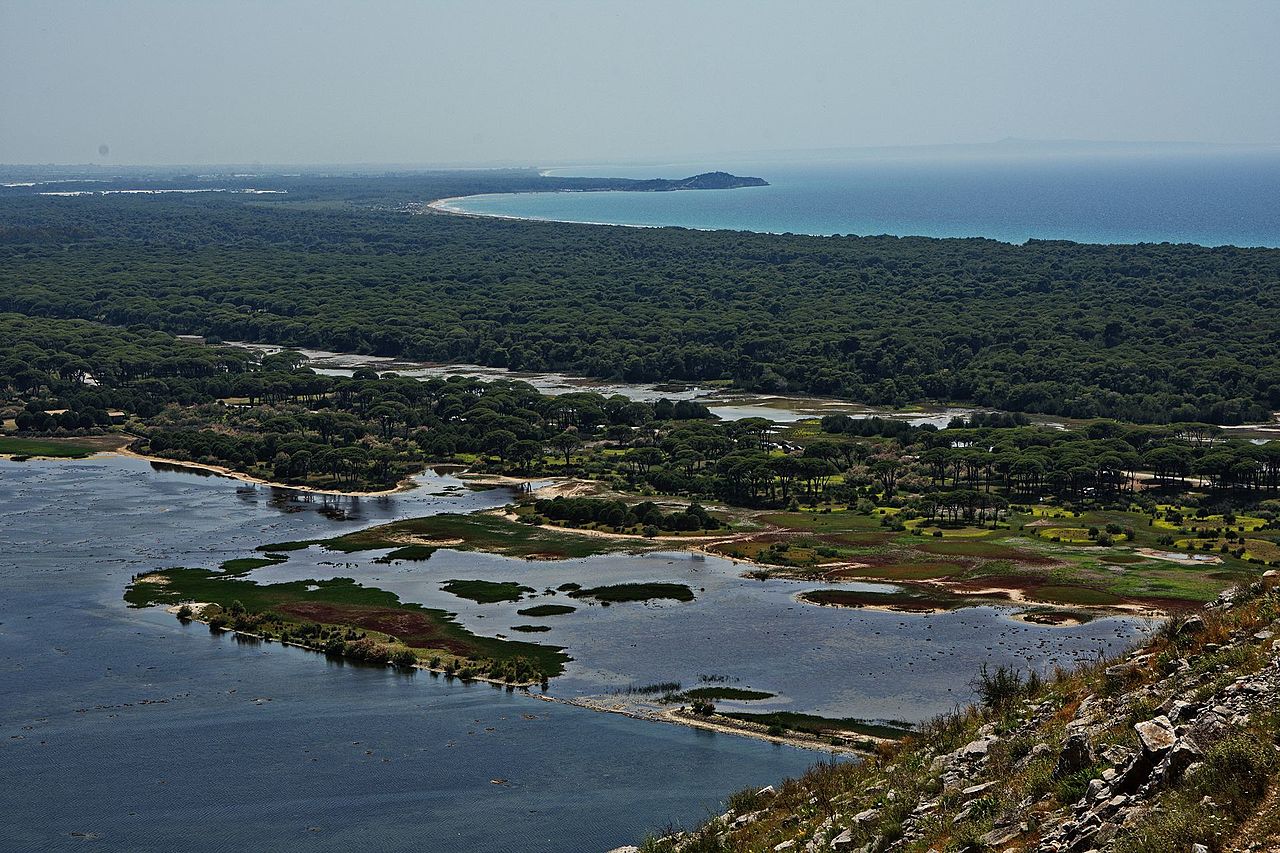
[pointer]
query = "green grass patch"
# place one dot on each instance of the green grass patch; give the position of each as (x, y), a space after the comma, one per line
(904, 571)
(297, 545)
(930, 529)
(904, 600)
(1073, 595)
(60, 448)
(1124, 559)
(839, 521)
(625, 592)
(822, 726)
(547, 610)
(971, 548)
(1190, 584)
(1071, 535)
(530, 629)
(480, 532)
(409, 552)
(244, 565)
(487, 592)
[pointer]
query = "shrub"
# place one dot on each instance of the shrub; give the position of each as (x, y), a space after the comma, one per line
(999, 688)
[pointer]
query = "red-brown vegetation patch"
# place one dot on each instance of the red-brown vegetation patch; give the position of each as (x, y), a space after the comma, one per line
(415, 628)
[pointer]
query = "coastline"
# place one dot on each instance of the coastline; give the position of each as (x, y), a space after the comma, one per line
(715, 723)
(441, 205)
(222, 471)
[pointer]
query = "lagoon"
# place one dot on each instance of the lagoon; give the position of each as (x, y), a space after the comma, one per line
(128, 729)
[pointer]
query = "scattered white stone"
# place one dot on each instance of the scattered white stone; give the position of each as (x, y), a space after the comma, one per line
(974, 790)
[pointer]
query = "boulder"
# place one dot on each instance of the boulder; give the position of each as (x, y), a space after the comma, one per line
(1183, 755)
(1156, 736)
(1076, 755)
(975, 790)
(975, 749)
(864, 817)
(1000, 835)
(843, 841)
(1192, 625)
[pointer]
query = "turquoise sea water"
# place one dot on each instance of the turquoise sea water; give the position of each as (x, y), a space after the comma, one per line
(1210, 198)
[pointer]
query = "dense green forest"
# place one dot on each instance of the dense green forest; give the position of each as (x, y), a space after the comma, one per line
(278, 419)
(1148, 333)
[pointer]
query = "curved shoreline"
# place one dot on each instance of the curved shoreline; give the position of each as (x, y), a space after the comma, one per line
(441, 205)
(231, 474)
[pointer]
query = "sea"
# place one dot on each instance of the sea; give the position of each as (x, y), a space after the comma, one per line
(1211, 196)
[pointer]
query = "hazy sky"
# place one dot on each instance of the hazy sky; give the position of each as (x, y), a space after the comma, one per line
(425, 82)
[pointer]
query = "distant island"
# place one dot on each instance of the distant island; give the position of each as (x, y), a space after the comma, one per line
(705, 181)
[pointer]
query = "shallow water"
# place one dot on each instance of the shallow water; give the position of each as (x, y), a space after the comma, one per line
(826, 660)
(727, 405)
(133, 730)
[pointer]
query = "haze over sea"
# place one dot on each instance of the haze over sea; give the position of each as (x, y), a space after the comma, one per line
(1091, 194)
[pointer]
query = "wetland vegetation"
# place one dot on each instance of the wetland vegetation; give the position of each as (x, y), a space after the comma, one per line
(342, 618)
(989, 506)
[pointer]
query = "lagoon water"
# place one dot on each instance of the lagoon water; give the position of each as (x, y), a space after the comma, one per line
(124, 728)
(833, 661)
(1211, 197)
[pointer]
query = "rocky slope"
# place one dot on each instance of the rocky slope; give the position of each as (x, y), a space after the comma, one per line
(1173, 747)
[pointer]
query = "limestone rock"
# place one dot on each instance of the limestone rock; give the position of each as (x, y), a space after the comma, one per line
(1076, 755)
(843, 841)
(1155, 735)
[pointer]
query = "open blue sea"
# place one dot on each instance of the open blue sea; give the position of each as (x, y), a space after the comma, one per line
(1212, 197)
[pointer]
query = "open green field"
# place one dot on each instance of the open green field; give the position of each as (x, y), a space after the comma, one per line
(1078, 558)
(838, 521)
(59, 448)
